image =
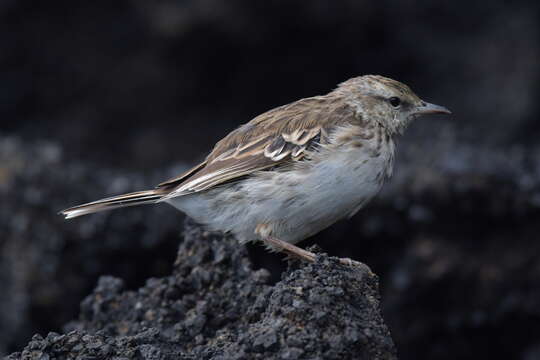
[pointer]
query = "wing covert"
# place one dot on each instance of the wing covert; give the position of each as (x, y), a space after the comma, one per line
(284, 134)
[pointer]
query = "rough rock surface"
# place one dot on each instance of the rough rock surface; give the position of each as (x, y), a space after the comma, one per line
(47, 265)
(215, 306)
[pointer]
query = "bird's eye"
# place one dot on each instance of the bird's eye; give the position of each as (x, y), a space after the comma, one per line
(395, 101)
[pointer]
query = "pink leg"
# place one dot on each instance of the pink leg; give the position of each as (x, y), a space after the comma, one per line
(302, 254)
(290, 249)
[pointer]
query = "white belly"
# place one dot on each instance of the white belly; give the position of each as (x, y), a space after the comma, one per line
(296, 203)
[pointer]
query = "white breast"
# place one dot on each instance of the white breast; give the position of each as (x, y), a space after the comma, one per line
(297, 203)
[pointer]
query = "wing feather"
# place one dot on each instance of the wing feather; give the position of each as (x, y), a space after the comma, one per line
(281, 135)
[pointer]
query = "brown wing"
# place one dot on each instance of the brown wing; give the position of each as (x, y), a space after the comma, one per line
(277, 136)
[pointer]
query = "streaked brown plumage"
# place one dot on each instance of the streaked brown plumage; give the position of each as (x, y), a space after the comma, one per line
(269, 178)
(277, 136)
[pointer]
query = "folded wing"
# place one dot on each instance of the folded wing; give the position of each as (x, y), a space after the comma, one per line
(285, 134)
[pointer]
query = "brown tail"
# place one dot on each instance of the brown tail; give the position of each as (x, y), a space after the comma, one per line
(115, 202)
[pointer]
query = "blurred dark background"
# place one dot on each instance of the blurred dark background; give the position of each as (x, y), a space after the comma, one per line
(103, 97)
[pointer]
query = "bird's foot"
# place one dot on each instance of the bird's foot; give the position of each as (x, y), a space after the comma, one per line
(350, 262)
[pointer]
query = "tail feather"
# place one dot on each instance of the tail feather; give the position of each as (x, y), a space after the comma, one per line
(115, 202)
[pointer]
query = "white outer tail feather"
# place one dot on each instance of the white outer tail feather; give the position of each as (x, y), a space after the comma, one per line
(115, 202)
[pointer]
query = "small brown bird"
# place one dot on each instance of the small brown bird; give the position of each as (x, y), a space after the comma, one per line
(294, 170)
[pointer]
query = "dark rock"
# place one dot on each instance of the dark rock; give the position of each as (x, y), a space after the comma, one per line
(321, 310)
(47, 265)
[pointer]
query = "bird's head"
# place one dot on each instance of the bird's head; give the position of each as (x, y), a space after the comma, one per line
(393, 104)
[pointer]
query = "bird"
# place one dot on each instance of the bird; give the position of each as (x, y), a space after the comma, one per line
(294, 170)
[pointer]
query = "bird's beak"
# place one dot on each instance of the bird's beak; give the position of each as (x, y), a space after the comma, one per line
(426, 108)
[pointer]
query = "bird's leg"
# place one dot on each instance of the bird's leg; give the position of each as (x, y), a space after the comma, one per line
(264, 231)
(290, 249)
(295, 251)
